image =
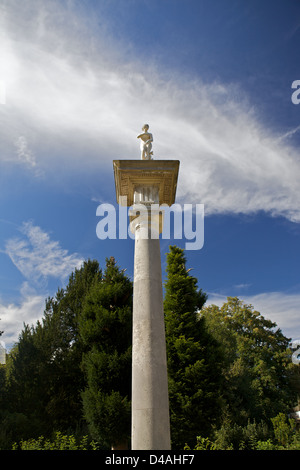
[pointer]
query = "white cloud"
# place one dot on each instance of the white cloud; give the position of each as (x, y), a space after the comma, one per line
(25, 154)
(14, 315)
(37, 256)
(79, 97)
(279, 307)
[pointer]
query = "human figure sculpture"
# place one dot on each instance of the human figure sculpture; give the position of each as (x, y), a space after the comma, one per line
(146, 143)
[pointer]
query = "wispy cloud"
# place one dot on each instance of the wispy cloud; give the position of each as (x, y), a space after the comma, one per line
(23, 152)
(288, 134)
(282, 308)
(13, 316)
(38, 257)
(26, 155)
(242, 286)
(85, 98)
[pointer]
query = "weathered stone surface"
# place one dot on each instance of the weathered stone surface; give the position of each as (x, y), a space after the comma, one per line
(150, 401)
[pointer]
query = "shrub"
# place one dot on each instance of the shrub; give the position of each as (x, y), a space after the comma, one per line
(265, 445)
(60, 442)
(203, 443)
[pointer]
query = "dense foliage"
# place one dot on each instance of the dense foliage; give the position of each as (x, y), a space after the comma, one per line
(59, 442)
(105, 329)
(66, 382)
(284, 435)
(194, 365)
(44, 378)
(258, 371)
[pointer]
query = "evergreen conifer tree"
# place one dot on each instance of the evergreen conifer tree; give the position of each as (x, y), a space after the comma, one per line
(193, 362)
(44, 376)
(105, 328)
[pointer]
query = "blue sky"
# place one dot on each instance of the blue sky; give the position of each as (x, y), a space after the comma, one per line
(78, 79)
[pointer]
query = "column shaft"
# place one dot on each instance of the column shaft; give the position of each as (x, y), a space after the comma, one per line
(150, 401)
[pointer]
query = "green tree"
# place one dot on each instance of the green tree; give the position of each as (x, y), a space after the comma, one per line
(5, 435)
(44, 376)
(193, 360)
(2, 383)
(284, 428)
(105, 329)
(60, 335)
(258, 372)
(231, 436)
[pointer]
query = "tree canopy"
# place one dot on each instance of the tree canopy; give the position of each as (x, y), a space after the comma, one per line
(105, 329)
(258, 372)
(193, 362)
(229, 368)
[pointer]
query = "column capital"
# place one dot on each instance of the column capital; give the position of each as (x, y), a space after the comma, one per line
(133, 174)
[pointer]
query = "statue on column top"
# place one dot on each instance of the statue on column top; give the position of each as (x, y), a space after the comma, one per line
(146, 143)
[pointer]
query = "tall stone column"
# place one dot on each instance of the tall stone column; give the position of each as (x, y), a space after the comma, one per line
(150, 399)
(140, 184)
